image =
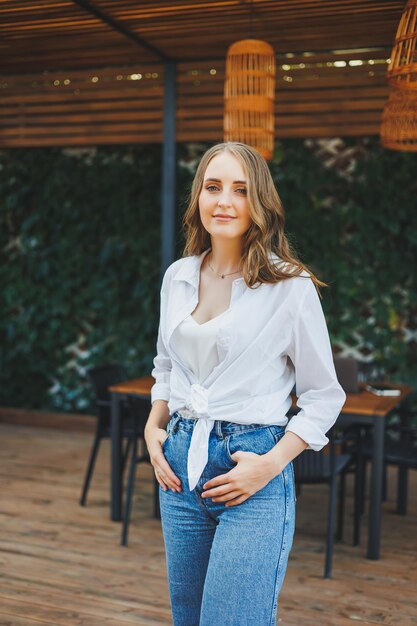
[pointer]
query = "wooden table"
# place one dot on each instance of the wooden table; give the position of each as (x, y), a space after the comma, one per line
(360, 408)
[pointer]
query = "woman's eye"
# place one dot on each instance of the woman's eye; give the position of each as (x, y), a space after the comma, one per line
(242, 189)
(210, 187)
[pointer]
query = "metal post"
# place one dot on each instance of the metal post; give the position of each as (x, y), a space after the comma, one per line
(168, 195)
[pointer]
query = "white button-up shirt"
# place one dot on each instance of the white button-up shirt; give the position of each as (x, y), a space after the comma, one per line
(272, 337)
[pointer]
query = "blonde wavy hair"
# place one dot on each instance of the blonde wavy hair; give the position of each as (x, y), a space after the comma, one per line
(266, 233)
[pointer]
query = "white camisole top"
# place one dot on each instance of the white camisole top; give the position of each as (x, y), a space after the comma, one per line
(196, 345)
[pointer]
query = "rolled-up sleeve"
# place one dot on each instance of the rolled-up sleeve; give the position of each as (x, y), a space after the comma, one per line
(162, 361)
(320, 396)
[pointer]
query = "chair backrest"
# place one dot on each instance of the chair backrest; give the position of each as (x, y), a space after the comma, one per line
(347, 373)
(310, 466)
(313, 466)
(139, 409)
(103, 376)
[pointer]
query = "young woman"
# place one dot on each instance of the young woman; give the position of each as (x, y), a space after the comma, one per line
(240, 323)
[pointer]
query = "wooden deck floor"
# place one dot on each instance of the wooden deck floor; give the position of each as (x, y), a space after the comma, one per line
(62, 565)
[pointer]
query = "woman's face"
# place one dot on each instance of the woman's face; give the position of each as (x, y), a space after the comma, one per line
(225, 193)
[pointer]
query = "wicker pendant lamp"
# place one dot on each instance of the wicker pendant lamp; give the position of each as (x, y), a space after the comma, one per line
(399, 119)
(249, 94)
(402, 71)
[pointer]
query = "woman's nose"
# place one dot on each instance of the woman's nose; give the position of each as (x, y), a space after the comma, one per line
(224, 201)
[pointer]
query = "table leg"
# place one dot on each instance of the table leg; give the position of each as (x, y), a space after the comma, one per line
(402, 489)
(374, 522)
(116, 459)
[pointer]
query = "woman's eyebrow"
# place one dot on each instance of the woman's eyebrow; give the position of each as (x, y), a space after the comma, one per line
(217, 180)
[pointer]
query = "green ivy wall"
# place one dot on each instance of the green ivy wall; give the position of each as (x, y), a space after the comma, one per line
(80, 243)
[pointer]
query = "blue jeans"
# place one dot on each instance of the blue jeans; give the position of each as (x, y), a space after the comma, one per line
(226, 565)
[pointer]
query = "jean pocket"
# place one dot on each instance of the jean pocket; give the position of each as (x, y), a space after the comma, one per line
(165, 442)
(169, 430)
(259, 440)
(277, 432)
(292, 474)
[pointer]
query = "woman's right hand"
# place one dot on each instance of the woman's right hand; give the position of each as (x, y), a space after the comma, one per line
(154, 438)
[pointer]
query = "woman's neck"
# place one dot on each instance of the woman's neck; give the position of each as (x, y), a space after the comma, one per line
(225, 257)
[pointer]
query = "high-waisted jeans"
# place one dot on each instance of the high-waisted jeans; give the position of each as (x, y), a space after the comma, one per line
(226, 565)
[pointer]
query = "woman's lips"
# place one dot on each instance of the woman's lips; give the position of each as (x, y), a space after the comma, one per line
(221, 218)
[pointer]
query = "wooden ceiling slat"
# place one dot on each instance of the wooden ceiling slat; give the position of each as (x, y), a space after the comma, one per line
(78, 108)
(186, 87)
(156, 97)
(273, 25)
(289, 120)
(339, 95)
(128, 89)
(46, 116)
(183, 111)
(84, 73)
(48, 119)
(86, 94)
(61, 130)
(318, 108)
(306, 57)
(296, 85)
(141, 137)
(340, 86)
(85, 139)
(94, 126)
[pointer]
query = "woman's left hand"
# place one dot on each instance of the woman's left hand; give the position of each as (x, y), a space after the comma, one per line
(251, 473)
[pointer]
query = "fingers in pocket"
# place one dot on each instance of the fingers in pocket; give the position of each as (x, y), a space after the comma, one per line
(165, 476)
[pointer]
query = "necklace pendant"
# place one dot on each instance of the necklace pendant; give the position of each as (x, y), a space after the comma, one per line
(222, 275)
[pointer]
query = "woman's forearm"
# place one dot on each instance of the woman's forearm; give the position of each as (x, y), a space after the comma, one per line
(159, 415)
(287, 448)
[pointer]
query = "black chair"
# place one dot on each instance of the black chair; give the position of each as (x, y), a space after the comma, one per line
(140, 410)
(402, 454)
(101, 378)
(349, 371)
(400, 450)
(324, 466)
(353, 445)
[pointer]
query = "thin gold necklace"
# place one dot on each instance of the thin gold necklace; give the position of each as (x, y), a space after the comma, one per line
(222, 275)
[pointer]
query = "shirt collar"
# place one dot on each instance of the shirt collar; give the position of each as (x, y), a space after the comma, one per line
(190, 268)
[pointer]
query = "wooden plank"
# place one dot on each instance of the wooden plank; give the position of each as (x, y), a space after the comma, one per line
(85, 140)
(207, 90)
(153, 95)
(138, 106)
(214, 136)
(8, 619)
(89, 126)
(47, 121)
(63, 421)
(206, 95)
